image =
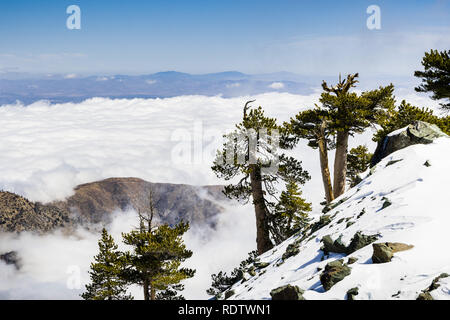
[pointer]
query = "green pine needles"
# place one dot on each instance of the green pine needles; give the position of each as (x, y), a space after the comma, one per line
(154, 262)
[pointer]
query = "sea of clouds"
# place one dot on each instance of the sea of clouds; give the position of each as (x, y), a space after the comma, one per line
(48, 149)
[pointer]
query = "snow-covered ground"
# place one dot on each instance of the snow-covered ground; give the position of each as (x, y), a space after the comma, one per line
(419, 216)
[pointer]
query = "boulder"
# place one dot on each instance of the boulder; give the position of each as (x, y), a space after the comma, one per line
(261, 265)
(287, 292)
(383, 252)
(351, 293)
(291, 250)
(334, 272)
(419, 132)
(333, 246)
(359, 241)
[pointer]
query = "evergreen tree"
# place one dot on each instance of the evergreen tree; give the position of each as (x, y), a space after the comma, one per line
(292, 213)
(106, 281)
(251, 154)
(436, 76)
(349, 113)
(171, 293)
(221, 281)
(312, 126)
(358, 162)
(158, 252)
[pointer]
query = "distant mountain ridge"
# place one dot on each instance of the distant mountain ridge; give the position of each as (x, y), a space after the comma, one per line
(59, 88)
(93, 203)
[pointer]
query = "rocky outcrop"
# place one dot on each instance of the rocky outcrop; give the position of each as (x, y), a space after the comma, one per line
(419, 132)
(94, 202)
(333, 273)
(358, 241)
(287, 292)
(383, 252)
(18, 214)
(426, 294)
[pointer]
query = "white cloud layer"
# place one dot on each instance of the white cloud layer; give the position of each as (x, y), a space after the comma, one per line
(46, 150)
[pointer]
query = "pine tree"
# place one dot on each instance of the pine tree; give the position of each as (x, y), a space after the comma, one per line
(358, 162)
(251, 153)
(171, 293)
(106, 273)
(436, 76)
(292, 213)
(312, 126)
(349, 113)
(221, 281)
(158, 252)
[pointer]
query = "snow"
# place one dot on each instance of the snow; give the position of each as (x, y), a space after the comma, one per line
(419, 215)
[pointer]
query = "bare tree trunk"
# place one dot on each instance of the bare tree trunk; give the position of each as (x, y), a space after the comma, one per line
(263, 242)
(340, 163)
(323, 151)
(146, 290)
(152, 293)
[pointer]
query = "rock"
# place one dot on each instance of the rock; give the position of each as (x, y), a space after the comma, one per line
(425, 296)
(383, 252)
(434, 285)
(251, 271)
(352, 260)
(427, 164)
(386, 203)
(359, 241)
(291, 250)
(351, 293)
(11, 258)
(287, 292)
(228, 294)
(323, 221)
(333, 246)
(419, 132)
(390, 163)
(334, 272)
(261, 265)
(18, 214)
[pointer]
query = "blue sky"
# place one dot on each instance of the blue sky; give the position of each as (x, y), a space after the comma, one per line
(136, 37)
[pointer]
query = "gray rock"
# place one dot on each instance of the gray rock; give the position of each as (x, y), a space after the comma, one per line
(359, 241)
(287, 292)
(228, 294)
(333, 246)
(291, 250)
(334, 272)
(383, 252)
(351, 293)
(261, 265)
(419, 132)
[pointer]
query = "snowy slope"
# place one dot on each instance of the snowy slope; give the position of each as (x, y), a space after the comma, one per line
(419, 215)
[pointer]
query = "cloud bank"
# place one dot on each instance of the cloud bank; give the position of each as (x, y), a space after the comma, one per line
(46, 150)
